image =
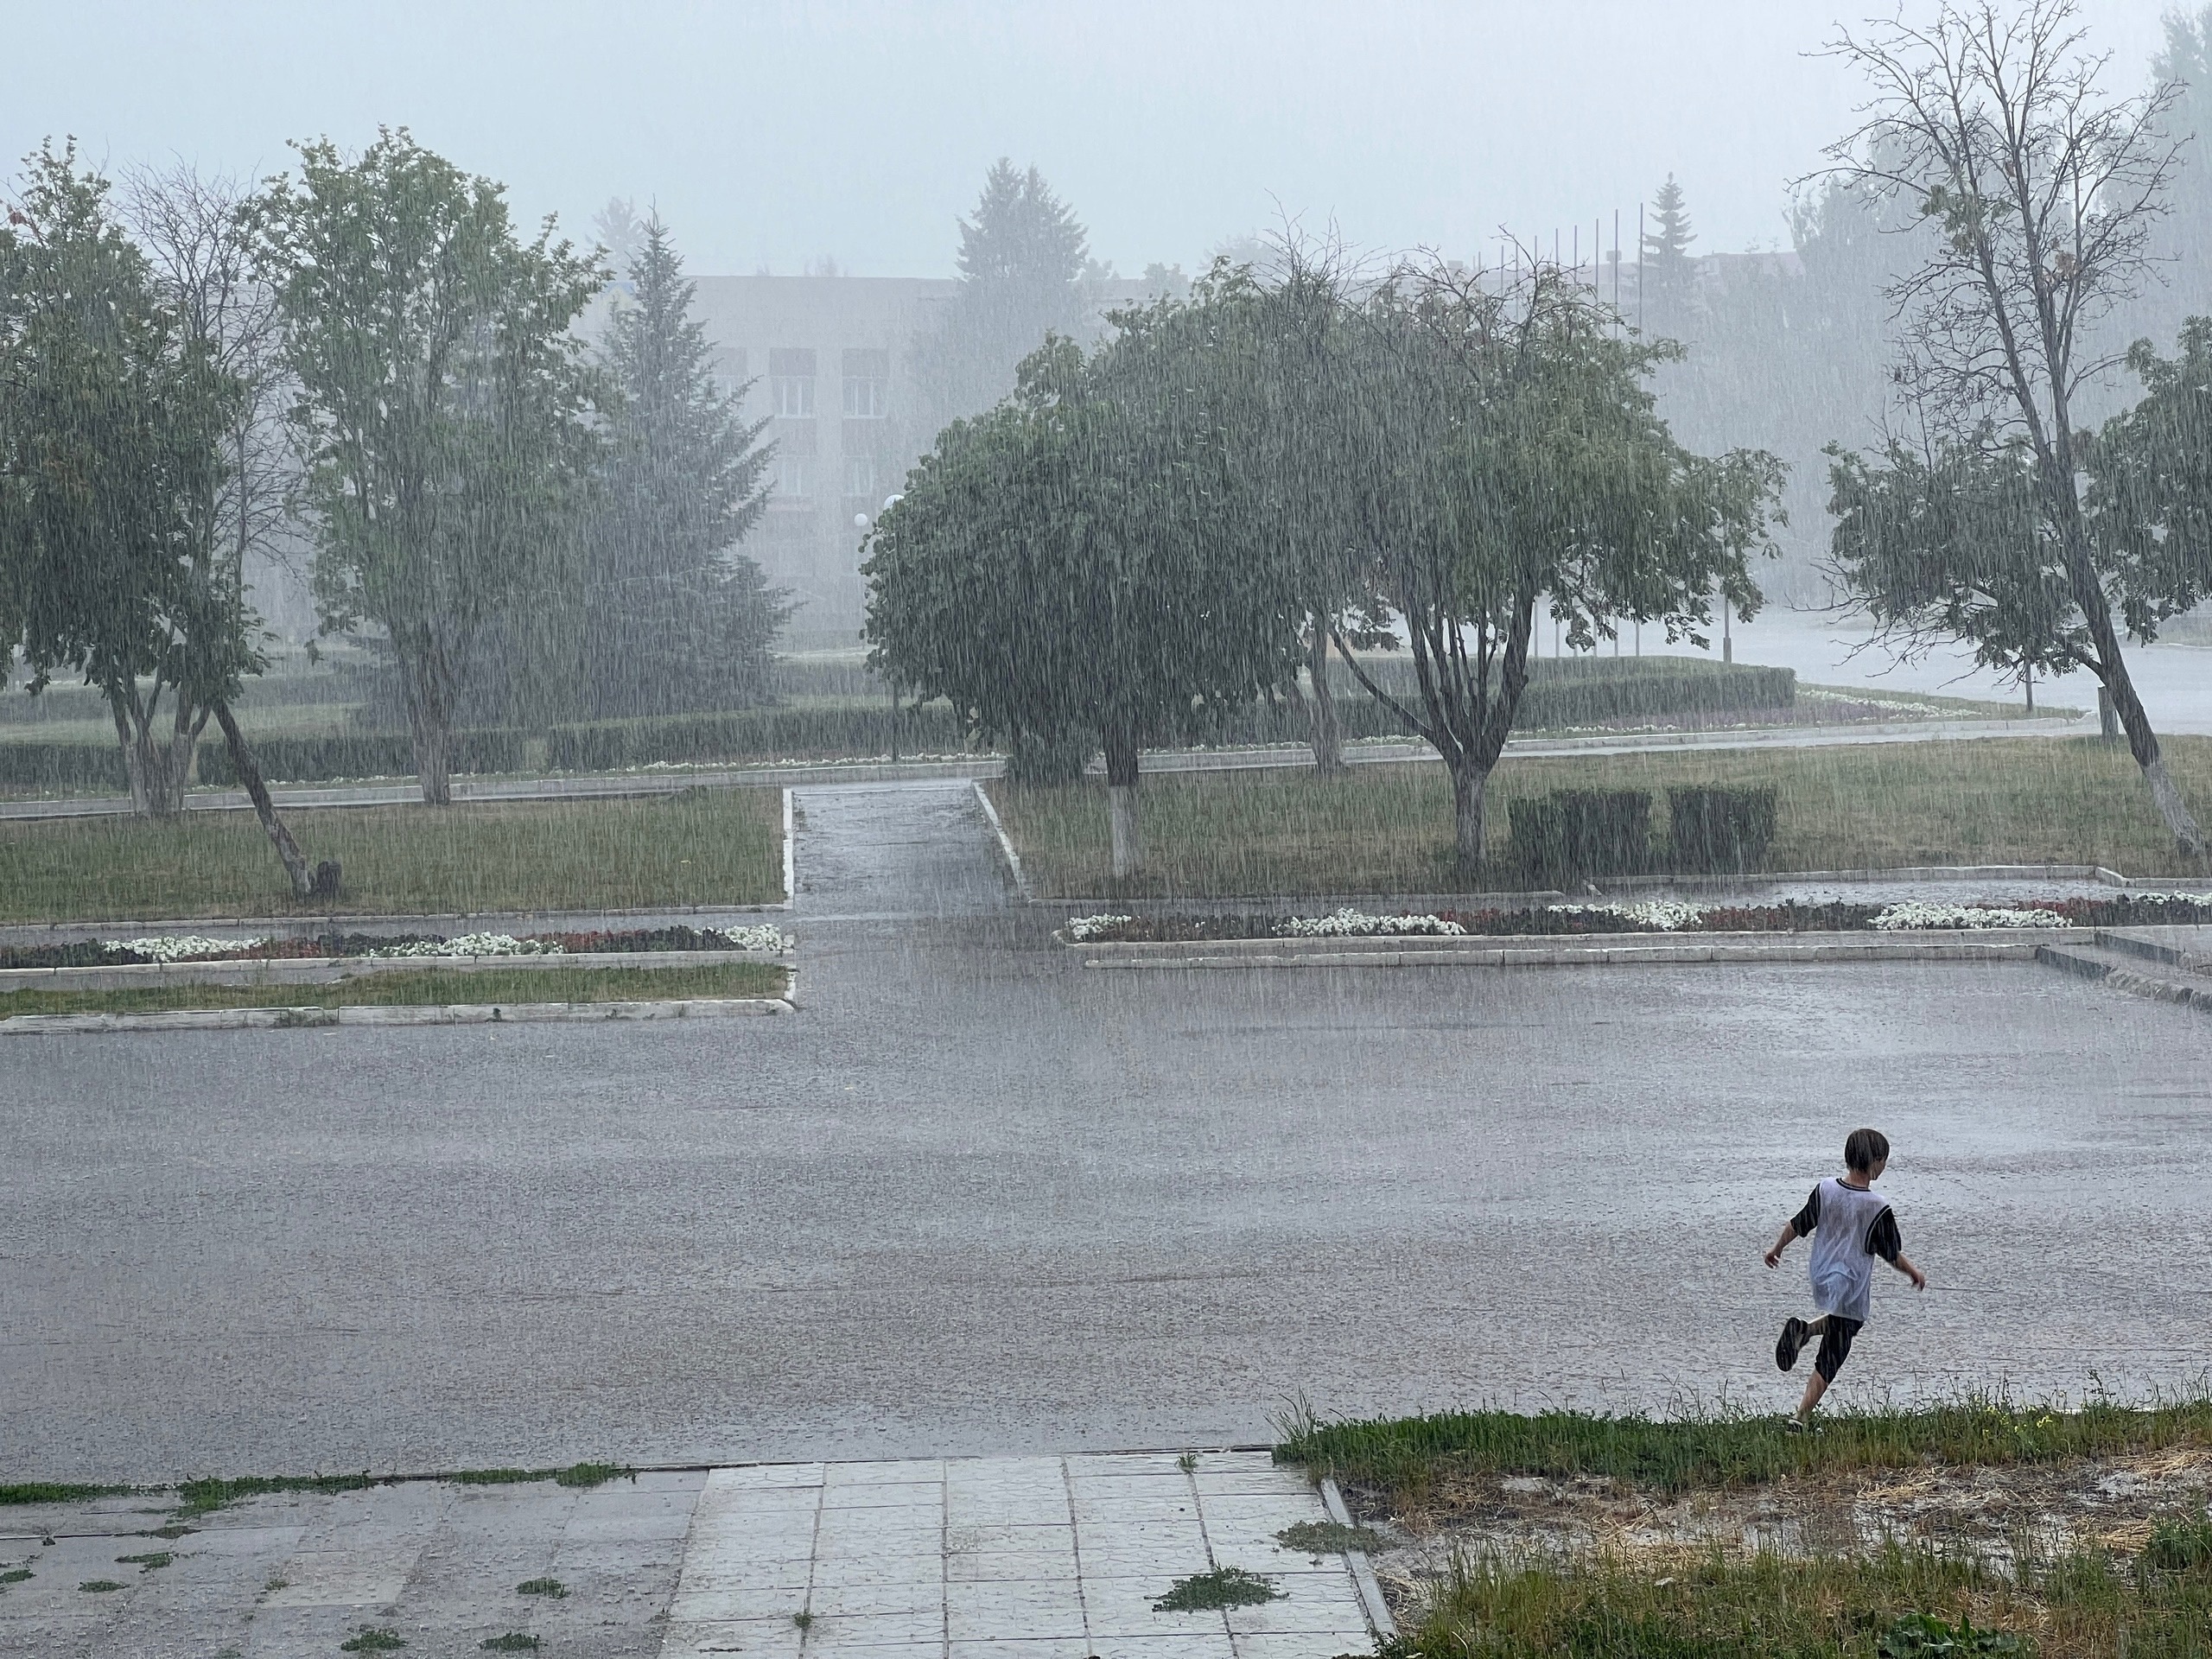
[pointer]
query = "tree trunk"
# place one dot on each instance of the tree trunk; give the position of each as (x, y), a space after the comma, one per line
(1468, 784)
(1123, 819)
(1328, 740)
(2111, 666)
(155, 770)
(248, 774)
(2142, 741)
(430, 725)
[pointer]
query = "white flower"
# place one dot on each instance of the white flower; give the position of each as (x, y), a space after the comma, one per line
(1668, 915)
(1353, 923)
(1080, 928)
(2201, 900)
(181, 947)
(766, 937)
(1916, 914)
(474, 944)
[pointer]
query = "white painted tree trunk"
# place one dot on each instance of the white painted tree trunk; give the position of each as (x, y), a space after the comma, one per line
(1127, 829)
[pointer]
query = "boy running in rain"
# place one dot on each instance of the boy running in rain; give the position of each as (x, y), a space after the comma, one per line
(1851, 1227)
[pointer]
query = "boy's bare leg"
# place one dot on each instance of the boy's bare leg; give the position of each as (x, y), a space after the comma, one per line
(1815, 1386)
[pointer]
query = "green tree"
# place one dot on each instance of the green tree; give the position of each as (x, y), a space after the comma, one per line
(2041, 193)
(674, 618)
(113, 443)
(1021, 262)
(1076, 562)
(1667, 273)
(1504, 450)
(444, 410)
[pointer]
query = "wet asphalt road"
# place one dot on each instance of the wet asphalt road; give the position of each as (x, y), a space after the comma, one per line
(976, 1199)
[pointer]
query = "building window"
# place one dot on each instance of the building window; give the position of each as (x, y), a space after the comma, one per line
(794, 474)
(860, 472)
(867, 385)
(790, 384)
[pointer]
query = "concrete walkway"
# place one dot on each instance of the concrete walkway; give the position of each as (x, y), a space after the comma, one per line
(974, 1558)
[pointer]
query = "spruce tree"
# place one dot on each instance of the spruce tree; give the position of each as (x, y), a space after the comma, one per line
(1668, 275)
(1021, 261)
(674, 618)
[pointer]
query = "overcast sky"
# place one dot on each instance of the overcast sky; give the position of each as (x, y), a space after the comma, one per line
(774, 135)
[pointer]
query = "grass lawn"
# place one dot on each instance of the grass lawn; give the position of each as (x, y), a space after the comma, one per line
(1388, 828)
(435, 986)
(1850, 1576)
(701, 847)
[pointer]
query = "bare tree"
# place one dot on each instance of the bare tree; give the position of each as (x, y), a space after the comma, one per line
(188, 226)
(1992, 128)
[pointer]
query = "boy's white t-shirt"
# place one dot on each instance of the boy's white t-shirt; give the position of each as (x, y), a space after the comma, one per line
(1843, 1222)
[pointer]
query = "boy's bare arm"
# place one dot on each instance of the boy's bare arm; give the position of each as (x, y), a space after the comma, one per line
(1902, 1263)
(1789, 1232)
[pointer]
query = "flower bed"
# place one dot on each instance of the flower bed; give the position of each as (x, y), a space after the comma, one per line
(115, 953)
(1652, 916)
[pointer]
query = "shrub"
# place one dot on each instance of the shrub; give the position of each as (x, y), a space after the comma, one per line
(1719, 830)
(1583, 832)
(63, 768)
(357, 754)
(752, 735)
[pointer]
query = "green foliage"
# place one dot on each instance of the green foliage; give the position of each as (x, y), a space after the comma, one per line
(442, 410)
(672, 618)
(54, 1492)
(1582, 832)
(546, 1587)
(372, 1640)
(1407, 1455)
(2180, 1546)
(510, 1642)
(112, 430)
(755, 734)
(351, 754)
(1223, 1587)
(206, 1495)
(1021, 261)
(1714, 829)
(1922, 1635)
(1076, 562)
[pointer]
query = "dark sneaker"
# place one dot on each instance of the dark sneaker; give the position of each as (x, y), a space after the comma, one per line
(1786, 1347)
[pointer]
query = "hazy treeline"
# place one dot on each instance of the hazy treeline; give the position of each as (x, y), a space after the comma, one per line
(366, 360)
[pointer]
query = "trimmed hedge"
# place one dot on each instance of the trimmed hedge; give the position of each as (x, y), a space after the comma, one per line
(752, 733)
(1583, 832)
(1717, 830)
(63, 768)
(357, 754)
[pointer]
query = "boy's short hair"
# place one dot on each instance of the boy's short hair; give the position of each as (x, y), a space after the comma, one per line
(1864, 1148)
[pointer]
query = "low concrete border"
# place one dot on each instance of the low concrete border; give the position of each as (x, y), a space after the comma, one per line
(1362, 1570)
(325, 970)
(1006, 845)
(35, 1024)
(1590, 949)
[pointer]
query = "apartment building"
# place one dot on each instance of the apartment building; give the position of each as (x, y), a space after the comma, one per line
(829, 363)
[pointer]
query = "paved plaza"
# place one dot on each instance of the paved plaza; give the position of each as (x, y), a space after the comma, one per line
(975, 1200)
(981, 1558)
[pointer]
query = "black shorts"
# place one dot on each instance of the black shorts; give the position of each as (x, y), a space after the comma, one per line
(1835, 1345)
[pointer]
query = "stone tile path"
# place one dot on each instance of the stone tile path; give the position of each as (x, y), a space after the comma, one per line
(988, 1558)
(1005, 1558)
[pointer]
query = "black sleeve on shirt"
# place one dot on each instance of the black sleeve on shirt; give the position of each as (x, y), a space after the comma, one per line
(1881, 1238)
(1809, 1217)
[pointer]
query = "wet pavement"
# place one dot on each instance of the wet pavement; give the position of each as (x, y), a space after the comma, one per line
(986, 1558)
(975, 1200)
